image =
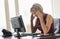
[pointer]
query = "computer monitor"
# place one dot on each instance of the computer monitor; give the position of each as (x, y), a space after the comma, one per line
(18, 24)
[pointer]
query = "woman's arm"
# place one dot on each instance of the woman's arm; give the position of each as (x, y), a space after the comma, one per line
(46, 27)
(33, 28)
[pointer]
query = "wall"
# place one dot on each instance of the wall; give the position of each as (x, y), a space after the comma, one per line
(56, 8)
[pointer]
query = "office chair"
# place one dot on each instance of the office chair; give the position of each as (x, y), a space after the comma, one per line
(57, 25)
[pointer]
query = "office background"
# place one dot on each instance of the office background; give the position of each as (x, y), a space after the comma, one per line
(12, 8)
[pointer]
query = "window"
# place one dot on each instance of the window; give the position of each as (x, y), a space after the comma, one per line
(25, 5)
(24, 10)
(2, 16)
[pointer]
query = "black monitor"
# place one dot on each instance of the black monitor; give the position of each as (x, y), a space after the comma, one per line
(18, 24)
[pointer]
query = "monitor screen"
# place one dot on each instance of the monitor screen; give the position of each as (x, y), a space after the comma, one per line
(17, 23)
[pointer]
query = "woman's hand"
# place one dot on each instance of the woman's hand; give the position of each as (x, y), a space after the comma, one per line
(39, 15)
(32, 17)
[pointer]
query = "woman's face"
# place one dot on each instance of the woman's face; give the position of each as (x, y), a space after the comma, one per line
(34, 10)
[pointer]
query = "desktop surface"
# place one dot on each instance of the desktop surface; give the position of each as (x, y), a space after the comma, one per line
(32, 36)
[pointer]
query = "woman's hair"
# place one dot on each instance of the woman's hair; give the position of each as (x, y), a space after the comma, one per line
(37, 6)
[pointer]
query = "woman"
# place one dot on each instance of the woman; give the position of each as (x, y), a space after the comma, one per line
(44, 22)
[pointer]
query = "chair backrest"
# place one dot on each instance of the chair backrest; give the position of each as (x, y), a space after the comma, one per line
(56, 25)
(59, 26)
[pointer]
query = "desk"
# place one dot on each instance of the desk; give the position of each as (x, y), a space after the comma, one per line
(33, 37)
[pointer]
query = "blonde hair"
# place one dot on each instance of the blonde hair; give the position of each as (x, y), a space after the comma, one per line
(37, 6)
